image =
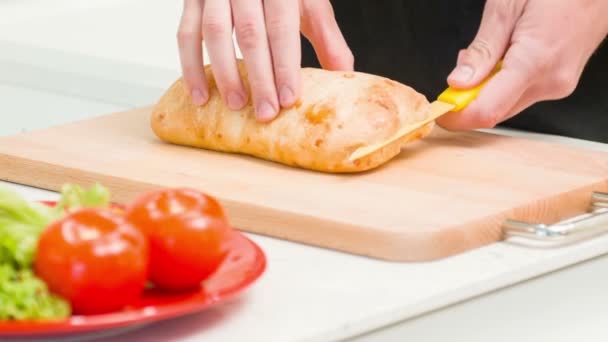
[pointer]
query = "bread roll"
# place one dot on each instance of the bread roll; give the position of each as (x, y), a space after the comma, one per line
(337, 113)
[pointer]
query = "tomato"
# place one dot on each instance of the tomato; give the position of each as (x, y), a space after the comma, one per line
(95, 259)
(188, 234)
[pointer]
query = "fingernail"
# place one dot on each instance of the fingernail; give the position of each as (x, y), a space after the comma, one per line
(265, 111)
(462, 73)
(235, 100)
(197, 97)
(286, 96)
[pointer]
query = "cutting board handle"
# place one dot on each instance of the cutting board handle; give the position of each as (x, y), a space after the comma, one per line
(581, 227)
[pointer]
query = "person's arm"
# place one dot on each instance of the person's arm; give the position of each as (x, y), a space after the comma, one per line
(268, 35)
(545, 45)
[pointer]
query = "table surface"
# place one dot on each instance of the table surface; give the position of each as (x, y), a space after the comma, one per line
(307, 293)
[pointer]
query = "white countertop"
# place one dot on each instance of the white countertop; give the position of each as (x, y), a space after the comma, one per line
(65, 60)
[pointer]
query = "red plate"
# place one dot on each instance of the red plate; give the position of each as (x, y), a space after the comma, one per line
(242, 267)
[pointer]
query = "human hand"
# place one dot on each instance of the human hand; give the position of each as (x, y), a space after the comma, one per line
(268, 35)
(545, 45)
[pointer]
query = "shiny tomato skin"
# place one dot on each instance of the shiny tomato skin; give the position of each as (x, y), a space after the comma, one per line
(95, 259)
(187, 231)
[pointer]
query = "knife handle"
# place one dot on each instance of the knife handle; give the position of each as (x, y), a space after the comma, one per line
(460, 98)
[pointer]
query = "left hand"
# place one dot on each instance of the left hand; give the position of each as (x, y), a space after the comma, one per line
(545, 45)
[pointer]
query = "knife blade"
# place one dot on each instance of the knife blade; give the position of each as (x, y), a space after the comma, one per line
(450, 100)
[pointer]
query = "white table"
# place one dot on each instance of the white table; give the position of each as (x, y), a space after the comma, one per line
(65, 60)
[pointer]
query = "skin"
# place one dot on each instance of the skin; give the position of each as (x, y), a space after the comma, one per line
(268, 35)
(544, 44)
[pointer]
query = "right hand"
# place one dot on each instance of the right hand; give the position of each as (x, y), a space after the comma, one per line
(268, 34)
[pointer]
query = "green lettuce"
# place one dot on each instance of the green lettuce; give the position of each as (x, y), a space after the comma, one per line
(73, 196)
(21, 223)
(25, 297)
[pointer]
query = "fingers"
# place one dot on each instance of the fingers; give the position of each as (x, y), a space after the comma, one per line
(477, 61)
(543, 90)
(497, 99)
(530, 97)
(319, 26)
(283, 27)
(217, 30)
(501, 94)
(252, 39)
(189, 40)
(268, 36)
(494, 100)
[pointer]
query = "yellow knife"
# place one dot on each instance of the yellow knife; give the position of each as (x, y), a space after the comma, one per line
(451, 100)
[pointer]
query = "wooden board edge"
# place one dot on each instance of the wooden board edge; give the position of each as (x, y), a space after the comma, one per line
(345, 238)
(548, 210)
(308, 230)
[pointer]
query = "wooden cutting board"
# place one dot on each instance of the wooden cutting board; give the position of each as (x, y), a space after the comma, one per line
(441, 196)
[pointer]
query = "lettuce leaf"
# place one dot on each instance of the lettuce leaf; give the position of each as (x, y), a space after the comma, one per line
(21, 223)
(25, 297)
(73, 196)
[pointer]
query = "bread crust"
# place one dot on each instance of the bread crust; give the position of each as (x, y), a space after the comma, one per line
(336, 113)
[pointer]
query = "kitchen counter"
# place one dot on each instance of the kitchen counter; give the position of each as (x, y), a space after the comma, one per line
(65, 61)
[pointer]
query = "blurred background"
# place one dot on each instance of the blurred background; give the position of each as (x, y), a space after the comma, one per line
(64, 60)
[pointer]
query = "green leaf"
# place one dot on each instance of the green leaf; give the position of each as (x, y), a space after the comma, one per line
(21, 223)
(73, 196)
(25, 296)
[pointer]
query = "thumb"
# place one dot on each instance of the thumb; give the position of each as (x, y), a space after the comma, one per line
(481, 56)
